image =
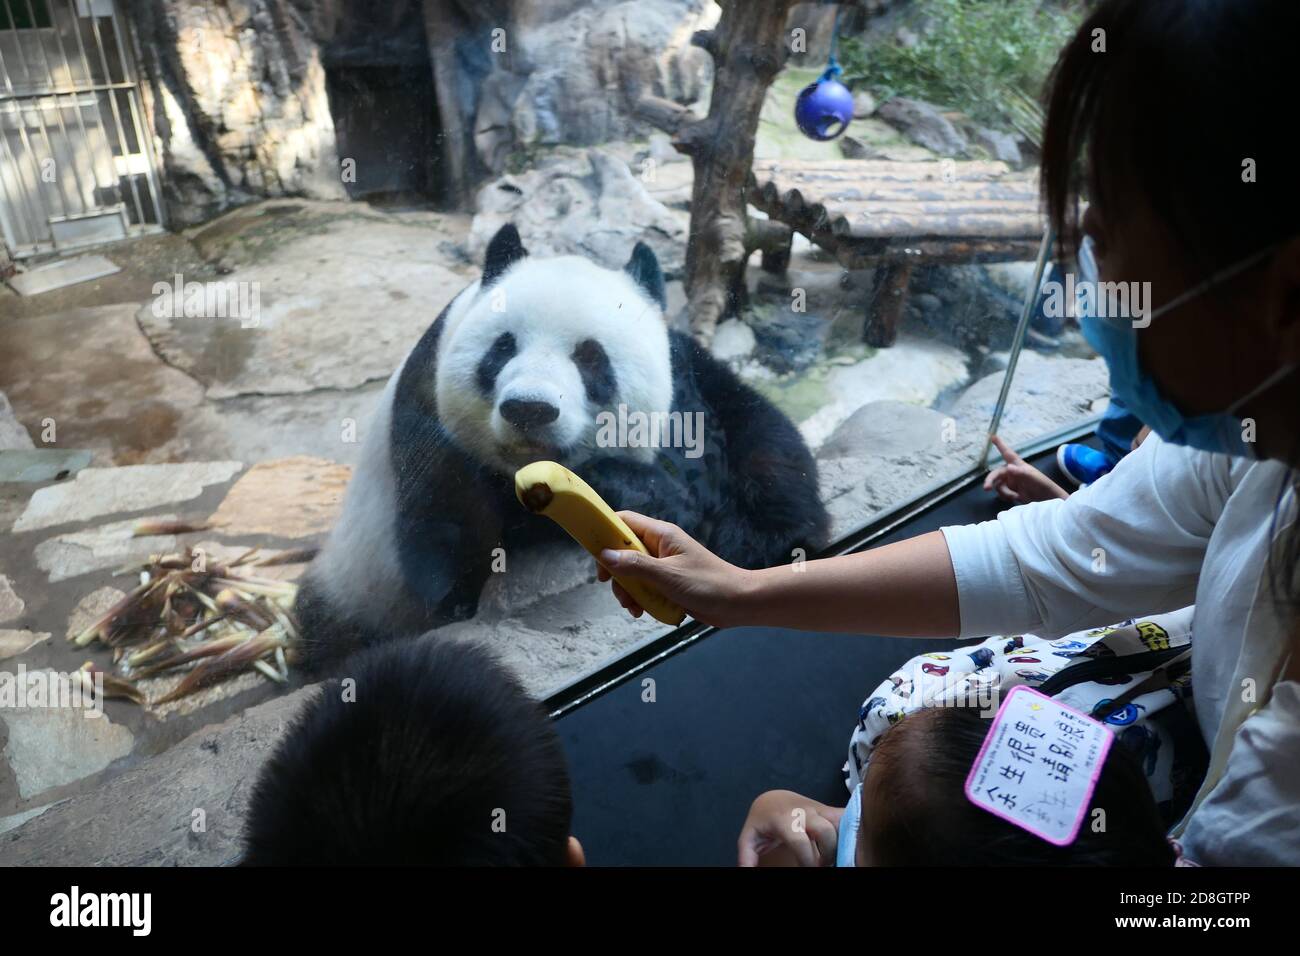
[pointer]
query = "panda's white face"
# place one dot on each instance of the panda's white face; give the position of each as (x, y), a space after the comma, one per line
(527, 364)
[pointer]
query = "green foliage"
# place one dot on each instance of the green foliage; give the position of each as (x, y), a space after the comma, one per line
(987, 58)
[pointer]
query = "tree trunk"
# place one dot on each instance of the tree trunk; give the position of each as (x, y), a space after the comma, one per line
(748, 48)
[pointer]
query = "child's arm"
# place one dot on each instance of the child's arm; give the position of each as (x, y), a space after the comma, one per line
(1018, 481)
(904, 589)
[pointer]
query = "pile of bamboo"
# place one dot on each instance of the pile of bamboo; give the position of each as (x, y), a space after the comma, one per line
(211, 620)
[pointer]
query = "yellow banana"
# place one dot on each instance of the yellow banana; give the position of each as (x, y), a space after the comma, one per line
(548, 488)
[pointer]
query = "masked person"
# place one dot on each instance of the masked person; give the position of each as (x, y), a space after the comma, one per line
(1160, 112)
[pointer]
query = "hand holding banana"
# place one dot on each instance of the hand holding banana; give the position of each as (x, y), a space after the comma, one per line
(907, 588)
(683, 570)
(548, 488)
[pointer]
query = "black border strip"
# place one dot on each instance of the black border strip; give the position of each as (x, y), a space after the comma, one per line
(608, 675)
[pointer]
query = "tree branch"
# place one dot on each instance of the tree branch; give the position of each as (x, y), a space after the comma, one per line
(706, 40)
(663, 114)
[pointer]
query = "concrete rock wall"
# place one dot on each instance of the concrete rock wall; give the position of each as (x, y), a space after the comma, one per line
(239, 109)
(566, 72)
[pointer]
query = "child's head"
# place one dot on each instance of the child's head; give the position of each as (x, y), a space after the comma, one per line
(915, 811)
(425, 751)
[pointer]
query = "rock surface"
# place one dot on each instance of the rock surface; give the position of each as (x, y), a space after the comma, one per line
(884, 455)
(864, 104)
(580, 202)
(998, 145)
(915, 371)
(925, 125)
(258, 427)
(108, 546)
(286, 497)
(13, 436)
(241, 92)
(13, 643)
(90, 375)
(885, 428)
(146, 815)
(243, 89)
(550, 620)
(52, 746)
(344, 294)
(18, 819)
(96, 492)
(11, 605)
(42, 464)
(733, 340)
(577, 69)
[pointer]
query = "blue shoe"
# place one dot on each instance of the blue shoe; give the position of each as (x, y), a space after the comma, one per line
(1084, 465)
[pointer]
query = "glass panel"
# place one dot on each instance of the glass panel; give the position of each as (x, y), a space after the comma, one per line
(918, 232)
(1058, 383)
(346, 173)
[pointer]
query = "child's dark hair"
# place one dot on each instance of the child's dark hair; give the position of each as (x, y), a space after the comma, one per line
(919, 814)
(441, 758)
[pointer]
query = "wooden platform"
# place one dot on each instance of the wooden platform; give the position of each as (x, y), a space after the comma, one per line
(872, 213)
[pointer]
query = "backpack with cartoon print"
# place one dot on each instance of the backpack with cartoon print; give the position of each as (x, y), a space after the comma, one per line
(1134, 676)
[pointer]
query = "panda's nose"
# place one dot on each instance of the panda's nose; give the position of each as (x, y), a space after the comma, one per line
(527, 415)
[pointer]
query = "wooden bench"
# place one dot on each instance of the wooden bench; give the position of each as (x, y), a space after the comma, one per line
(893, 216)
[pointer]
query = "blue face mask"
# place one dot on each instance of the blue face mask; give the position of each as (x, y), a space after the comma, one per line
(847, 845)
(1115, 339)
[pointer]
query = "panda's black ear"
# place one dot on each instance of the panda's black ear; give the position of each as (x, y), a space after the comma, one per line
(503, 251)
(644, 269)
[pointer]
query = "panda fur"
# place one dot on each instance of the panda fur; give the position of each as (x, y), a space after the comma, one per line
(516, 368)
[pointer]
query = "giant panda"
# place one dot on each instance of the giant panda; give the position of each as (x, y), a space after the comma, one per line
(519, 367)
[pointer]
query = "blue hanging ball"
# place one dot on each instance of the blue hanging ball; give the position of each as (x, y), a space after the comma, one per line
(824, 109)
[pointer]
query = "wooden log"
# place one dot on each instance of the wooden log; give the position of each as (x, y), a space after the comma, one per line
(958, 225)
(663, 114)
(892, 216)
(748, 48)
(774, 239)
(908, 170)
(885, 313)
(881, 191)
(868, 253)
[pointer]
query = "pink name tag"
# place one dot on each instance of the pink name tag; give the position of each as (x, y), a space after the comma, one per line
(1039, 765)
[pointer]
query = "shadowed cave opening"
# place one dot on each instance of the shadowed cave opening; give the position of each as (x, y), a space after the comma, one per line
(381, 93)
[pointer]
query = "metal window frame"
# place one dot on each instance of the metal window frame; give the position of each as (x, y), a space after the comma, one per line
(114, 102)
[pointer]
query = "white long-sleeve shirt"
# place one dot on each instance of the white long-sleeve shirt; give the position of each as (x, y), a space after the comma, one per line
(1170, 526)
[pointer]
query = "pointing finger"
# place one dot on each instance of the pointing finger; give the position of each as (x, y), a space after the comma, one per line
(1008, 454)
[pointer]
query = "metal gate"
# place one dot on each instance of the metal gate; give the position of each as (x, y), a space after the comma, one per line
(76, 163)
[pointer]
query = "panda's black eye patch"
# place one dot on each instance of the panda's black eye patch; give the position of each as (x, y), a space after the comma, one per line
(494, 360)
(596, 370)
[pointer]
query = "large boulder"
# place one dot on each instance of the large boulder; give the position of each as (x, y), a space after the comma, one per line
(240, 108)
(925, 125)
(580, 202)
(574, 71)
